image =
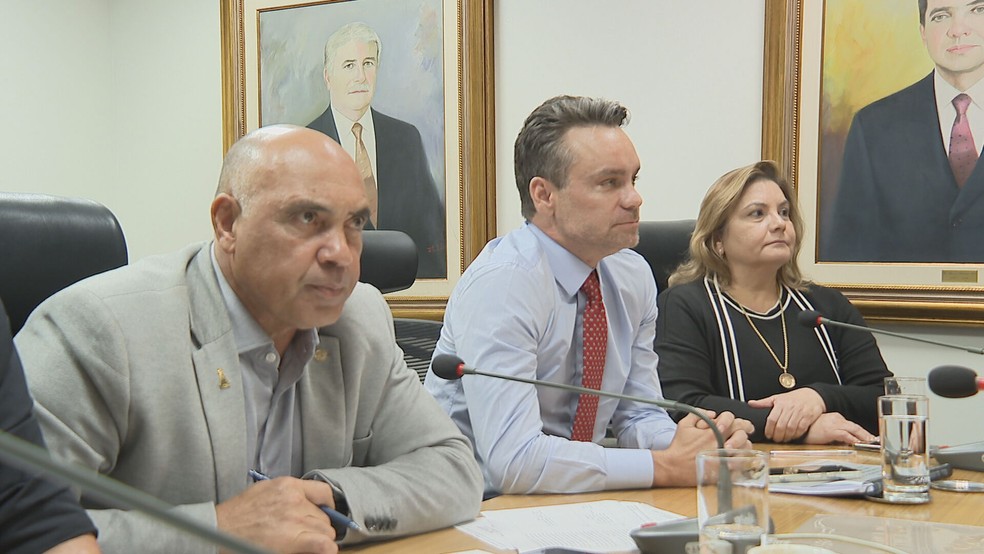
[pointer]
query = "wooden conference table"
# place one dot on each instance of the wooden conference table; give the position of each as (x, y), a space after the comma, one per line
(788, 511)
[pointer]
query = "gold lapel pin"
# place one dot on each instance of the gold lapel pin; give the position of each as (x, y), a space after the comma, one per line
(223, 382)
(320, 354)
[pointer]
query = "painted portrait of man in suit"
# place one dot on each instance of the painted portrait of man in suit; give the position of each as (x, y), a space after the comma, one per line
(369, 74)
(388, 151)
(908, 187)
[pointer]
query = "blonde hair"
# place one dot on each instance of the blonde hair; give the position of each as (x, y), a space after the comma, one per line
(719, 203)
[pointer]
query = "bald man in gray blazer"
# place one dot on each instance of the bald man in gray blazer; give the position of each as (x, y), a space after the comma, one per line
(258, 350)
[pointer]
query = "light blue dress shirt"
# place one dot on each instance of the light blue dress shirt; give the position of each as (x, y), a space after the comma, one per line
(517, 310)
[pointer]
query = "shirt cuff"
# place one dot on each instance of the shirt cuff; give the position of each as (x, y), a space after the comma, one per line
(628, 468)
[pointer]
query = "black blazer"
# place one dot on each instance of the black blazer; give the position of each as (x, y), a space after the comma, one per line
(408, 199)
(35, 514)
(898, 200)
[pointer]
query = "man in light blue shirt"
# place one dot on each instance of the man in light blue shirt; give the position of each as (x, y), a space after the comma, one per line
(519, 310)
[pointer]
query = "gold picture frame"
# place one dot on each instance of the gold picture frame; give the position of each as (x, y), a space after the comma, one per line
(475, 124)
(793, 55)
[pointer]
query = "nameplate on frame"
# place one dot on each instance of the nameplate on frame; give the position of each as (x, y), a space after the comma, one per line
(959, 276)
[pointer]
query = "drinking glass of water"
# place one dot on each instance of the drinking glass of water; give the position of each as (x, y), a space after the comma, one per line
(905, 385)
(902, 425)
(732, 499)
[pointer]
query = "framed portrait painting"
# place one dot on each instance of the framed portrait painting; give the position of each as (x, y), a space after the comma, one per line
(886, 173)
(403, 87)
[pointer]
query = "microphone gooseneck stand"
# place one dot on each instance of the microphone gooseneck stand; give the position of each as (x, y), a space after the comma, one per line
(31, 458)
(451, 368)
(811, 318)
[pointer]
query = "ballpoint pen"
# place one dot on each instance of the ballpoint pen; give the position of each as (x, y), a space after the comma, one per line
(338, 519)
(813, 472)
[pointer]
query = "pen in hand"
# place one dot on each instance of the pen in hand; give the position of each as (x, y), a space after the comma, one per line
(337, 518)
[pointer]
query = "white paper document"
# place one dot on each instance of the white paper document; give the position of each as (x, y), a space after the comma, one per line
(601, 526)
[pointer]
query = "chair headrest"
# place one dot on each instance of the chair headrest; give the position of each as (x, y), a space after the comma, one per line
(49, 242)
(389, 260)
(665, 245)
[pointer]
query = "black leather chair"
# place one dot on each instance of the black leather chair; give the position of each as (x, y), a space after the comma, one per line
(389, 260)
(417, 338)
(665, 245)
(49, 242)
(389, 263)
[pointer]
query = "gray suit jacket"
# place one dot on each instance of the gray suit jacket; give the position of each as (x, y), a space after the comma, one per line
(124, 370)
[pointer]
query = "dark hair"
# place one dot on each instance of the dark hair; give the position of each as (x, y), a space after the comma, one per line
(922, 12)
(540, 150)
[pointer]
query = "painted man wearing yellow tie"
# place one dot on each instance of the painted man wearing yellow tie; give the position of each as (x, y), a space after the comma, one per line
(388, 152)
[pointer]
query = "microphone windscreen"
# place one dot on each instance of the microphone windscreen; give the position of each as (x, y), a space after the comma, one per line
(447, 367)
(953, 381)
(809, 318)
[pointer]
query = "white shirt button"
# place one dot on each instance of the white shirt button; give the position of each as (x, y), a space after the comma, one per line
(271, 357)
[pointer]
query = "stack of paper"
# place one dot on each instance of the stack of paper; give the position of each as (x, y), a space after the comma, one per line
(840, 487)
(601, 526)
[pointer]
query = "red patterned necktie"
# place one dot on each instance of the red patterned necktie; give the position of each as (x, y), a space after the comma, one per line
(595, 327)
(963, 153)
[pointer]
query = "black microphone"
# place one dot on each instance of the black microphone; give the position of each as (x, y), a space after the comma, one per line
(33, 459)
(453, 368)
(953, 381)
(947, 381)
(811, 318)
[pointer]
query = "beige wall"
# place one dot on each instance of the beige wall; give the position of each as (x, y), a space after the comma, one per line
(689, 72)
(119, 101)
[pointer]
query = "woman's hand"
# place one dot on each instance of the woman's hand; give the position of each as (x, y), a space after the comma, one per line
(832, 427)
(792, 413)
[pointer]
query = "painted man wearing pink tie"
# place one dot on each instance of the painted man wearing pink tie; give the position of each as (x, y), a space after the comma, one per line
(911, 189)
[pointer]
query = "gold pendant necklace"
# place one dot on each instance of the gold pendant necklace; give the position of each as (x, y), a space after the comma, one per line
(786, 379)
